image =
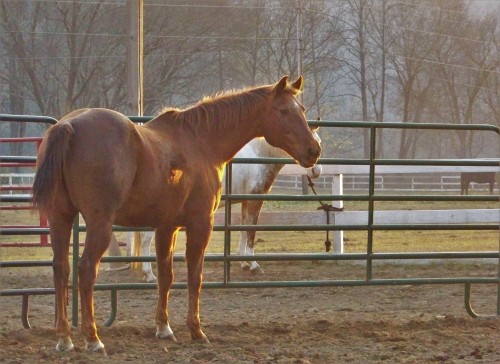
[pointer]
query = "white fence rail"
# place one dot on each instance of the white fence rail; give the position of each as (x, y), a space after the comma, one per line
(15, 180)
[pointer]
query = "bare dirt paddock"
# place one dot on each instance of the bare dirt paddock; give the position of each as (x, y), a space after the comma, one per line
(402, 324)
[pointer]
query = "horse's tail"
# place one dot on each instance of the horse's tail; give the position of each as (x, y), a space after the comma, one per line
(136, 250)
(50, 163)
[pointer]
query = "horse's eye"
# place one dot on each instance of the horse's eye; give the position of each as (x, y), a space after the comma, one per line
(284, 111)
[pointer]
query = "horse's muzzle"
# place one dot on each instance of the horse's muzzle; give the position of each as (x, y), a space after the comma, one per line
(315, 171)
(311, 156)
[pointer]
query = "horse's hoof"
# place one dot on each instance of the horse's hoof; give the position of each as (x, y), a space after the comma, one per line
(150, 278)
(113, 267)
(96, 347)
(65, 344)
(165, 332)
(256, 269)
(170, 337)
(245, 266)
(200, 339)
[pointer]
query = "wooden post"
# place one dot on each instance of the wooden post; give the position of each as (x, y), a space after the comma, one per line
(135, 78)
(305, 185)
(135, 58)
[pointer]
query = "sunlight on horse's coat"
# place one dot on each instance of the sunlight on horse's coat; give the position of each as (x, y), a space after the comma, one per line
(98, 163)
(246, 179)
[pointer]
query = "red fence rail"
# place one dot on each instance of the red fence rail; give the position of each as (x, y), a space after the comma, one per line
(42, 218)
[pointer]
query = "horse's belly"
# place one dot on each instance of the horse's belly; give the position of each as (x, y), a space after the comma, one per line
(143, 218)
(150, 212)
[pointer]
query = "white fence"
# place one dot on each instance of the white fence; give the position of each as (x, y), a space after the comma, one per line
(387, 178)
(462, 216)
(353, 182)
(15, 180)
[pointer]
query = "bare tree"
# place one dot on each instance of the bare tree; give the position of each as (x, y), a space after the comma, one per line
(470, 60)
(61, 49)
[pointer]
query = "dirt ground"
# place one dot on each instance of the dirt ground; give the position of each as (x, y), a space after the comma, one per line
(401, 324)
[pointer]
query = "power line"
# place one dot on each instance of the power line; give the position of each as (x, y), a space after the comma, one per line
(233, 7)
(65, 33)
(466, 84)
(242, 51)
(425, 60)
(89, 2)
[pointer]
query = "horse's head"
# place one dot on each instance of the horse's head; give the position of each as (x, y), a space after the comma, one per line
(285, 125)
(316, 170)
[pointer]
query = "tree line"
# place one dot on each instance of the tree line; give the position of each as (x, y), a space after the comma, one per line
(369, 60)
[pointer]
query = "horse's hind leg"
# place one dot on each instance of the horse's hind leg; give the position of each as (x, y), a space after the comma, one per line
(254, 208)
(114, 251)
(165, 244)
(60, 233)
(147, 270)
(96, 243)
(242, 246)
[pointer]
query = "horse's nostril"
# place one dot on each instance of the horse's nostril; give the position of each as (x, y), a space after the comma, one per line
(313, 152)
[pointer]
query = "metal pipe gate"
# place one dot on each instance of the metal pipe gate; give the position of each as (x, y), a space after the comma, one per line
(369, 256)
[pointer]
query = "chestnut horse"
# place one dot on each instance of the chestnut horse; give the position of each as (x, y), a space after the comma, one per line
(246, 179)
(165, 174)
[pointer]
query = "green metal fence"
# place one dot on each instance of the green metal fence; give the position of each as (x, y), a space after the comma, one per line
(227, 257)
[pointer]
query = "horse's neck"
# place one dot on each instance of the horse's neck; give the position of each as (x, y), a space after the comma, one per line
(224, 143)
(222, 126)
(228, 142)
(266, 150)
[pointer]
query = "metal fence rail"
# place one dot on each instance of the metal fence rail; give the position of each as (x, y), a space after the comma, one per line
(369, 256)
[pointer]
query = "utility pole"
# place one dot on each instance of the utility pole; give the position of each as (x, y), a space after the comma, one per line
(135, 37)
(135, 10)
(300, 44)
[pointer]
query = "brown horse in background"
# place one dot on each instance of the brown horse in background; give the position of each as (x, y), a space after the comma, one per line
(478, 177)
(166, 174)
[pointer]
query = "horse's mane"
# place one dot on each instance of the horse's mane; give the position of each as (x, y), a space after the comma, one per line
(220, 110)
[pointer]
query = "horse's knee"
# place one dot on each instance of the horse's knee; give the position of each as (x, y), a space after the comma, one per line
(87, 268)
(60, 267)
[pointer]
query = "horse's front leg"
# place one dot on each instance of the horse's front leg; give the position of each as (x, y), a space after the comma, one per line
(165, 244)
(197, 238)
(96, 243)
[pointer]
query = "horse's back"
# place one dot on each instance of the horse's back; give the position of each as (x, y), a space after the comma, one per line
(479, 177)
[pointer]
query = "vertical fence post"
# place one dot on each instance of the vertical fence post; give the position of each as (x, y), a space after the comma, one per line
(371, 204)
(338, 235)
(305, 185)
(227, 223)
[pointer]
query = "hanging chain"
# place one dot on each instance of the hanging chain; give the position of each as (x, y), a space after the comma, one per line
(327, 208)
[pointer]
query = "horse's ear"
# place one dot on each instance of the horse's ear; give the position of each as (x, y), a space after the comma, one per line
(298, 84)
(315, 128)
(280, 86)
